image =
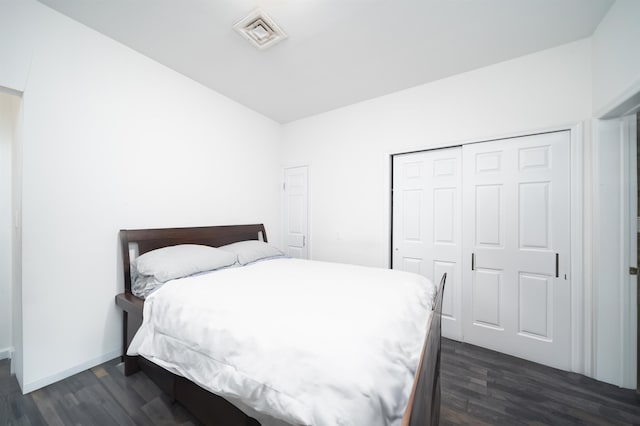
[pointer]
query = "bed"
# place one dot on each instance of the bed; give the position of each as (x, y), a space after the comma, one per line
(202, 397)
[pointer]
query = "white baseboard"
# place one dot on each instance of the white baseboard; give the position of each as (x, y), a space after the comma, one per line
(6, 353)
(46, 381)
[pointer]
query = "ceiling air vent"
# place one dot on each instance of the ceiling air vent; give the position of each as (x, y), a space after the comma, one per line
(260, 30)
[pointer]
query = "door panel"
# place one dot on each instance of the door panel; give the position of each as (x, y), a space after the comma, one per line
(426, 222)
(489, 231)
(534, 304)
(443, 221)
(516, 219)
(486, 298)
(534, 215)
(412, 214)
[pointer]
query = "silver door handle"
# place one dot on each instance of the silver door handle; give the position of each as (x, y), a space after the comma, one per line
(304, 241)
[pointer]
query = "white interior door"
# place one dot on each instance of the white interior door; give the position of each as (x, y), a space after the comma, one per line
(516, 264)
(427, 224)
(295, 210)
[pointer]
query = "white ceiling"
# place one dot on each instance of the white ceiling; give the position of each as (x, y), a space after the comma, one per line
(338, 51)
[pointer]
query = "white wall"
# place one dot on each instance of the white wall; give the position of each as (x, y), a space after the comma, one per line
(616, 55)
(114, 140)
(9, 105)
(348, 149)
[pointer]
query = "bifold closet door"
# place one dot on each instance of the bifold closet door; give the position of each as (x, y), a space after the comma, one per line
(516, 289)
(427, 224)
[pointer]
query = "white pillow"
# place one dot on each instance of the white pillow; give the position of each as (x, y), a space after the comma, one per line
(252, 250)
(169, 263)
(142, 285)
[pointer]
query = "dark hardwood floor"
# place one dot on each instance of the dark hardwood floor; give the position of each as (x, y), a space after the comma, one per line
(100, 396)
(478, 387)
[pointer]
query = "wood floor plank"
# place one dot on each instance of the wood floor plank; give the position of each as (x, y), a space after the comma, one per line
(162, 413)
(25, 411)
(453, 417)
(45, 403)
(96, 403)
(128, 399)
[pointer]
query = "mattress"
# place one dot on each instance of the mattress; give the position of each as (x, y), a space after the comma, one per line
(292, 341)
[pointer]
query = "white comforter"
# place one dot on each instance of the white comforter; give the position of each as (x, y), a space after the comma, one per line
(295, 341)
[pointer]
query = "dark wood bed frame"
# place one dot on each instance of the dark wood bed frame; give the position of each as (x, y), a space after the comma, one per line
(424, 403)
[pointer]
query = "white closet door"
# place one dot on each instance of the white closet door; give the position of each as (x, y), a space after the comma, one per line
(427, 224)
(516, 299)
(296, 212)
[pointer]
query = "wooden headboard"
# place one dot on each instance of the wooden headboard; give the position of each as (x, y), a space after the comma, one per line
(214, 236)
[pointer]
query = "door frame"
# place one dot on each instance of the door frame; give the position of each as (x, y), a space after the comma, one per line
(581, 321)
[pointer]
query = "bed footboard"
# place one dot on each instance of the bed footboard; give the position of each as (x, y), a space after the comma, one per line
(424, 402)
